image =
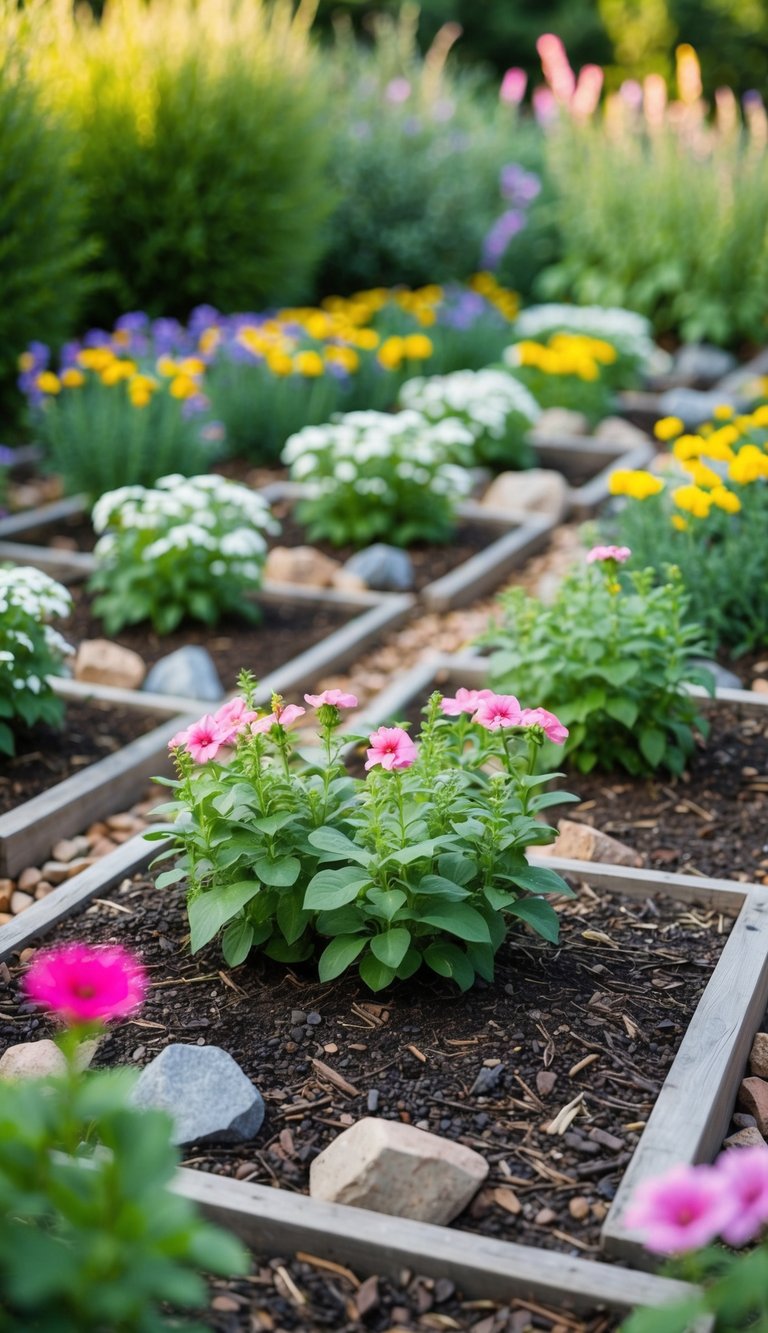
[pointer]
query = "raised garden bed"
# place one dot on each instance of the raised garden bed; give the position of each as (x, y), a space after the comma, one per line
(587, 464)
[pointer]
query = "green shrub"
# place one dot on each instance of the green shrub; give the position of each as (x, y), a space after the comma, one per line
(201, 146)
(31, 650)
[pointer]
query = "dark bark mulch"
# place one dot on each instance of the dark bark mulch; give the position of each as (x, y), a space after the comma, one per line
(46, 756)
(598, 1018)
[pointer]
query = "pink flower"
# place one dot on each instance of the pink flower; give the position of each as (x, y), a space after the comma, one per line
(466, 701)
(180, 738)
(391, 747)
(745, 1171)
(397, 91)
(232, 718)
(289, 714)
(203, 739)
(617, 553)
(544, 106)
(513, 86)
(682, 1210)
(264, 723)
(550, 725)
(85, 984)
(336, 698)
(497, 711)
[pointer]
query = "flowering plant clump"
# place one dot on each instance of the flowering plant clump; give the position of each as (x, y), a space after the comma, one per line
(569, 370)
(630, 334)
(611, 655)
(707, 513)
(31, 650)
(114, 416)
(492, 404)
(420, 863)
(108, 1246)
(681, 1214)
(190, 547)
(371, 475)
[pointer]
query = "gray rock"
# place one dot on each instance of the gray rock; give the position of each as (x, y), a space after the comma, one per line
(205, 1091)
(386, 568)
(724, 679)
(487, 1081)
(694, 406)
(189, 671)
(701, 363)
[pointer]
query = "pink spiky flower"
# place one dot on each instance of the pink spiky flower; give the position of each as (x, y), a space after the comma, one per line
(465, 701)
(551, 725)
(81, 983)
(497, 711)
(391, 747)
(599, 553)
(682, 1210)
(335, 698)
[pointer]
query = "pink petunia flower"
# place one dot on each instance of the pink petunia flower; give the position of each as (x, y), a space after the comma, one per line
(180, 738)
(232, 718)
(745, 1171)
(497, 711)
(289, 714)
(203, 739)
(513, 86)
(391, 747)
(85, 984)
(551, 725)
(617, 553)
(681, 1211)
(336, 698)
(465, 701)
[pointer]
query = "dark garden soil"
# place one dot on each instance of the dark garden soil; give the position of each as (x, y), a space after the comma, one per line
(592, 1025)
(306, 1294)
(711, 821)
(90, 732)
(282, 633)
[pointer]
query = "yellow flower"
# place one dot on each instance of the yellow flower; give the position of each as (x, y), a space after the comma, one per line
(637, 485)
(138, 395)
(121, 338)
(723, 412)
(209, 340)
(760, 416)
(279, 363)
(417, 346)
(343, 356)
(750, 464)
(309, 364)
(679, 522)
(95, 358)
(718, 445)
(668, 427)
(725, 499)
(47, 382)
(72, 378)
(165, 365)
(688, 446)
(693, 500)
(366, 339)
(117, 371)
(183, 386)
(26, 361)
(391, 353)
(703, 475)
(192, 365)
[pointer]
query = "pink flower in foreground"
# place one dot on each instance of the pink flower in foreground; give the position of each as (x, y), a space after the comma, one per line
(497, 711)
(203, 739)
(513, 86)
(466, 701)
(264, 723)
(745, 1171)
(289, 714)
(391, 747)
(617, 553)
(180, 738)
(232, 718)
(83, 984)
(683, 1210)
(550, 724)
(336, 698)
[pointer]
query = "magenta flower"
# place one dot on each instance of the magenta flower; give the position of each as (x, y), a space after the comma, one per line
(85, 984)
(336, 698)
(617, 553)
(513, 86)
(497, 711)
(465, 701)
(391, 747)
(203, 739)
(232, 718)
(180, 738)
(683, 1210)
(745, 1172)
(551, 726)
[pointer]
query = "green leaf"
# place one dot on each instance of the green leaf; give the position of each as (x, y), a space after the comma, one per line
(410, 964)
(290, 917)
(337, 956)
(281, 873)
(209, 911)
(391, 946)
(652, 743)
(456, 867)
(443, 888)
(385, 902)
(169, 877)
(283, 952)
(270, 824)
(337, 844)
(458, 919)
(236, 941)
(540, 916)
(330, 889)
(482, 956)
(622, 710)
(375, 974)
(414, 852)
(449, 961)
(537, 879)
(342, 921)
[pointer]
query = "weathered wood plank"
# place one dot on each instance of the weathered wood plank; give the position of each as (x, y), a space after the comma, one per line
(66, 566)
(487, 569)
(42, 516)
(167, 705)
(724, 895)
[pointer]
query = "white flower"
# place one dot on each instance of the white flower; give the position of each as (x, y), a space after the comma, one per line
(630, 333)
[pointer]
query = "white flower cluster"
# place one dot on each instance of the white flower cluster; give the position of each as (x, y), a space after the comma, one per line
(372, 451)
(184, 514)
(483, 399)
(28, 599)
(630, 333)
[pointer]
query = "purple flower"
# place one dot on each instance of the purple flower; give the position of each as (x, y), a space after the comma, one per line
(397, 91)
(202, 318)
(499, 236)
(631, 94)
(69, 354)
(519, 186)
(6, 456)
(135, 321)
(97, 338)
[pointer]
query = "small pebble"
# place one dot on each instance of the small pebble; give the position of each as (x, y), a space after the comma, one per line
(313, 1019)
(373, 1100)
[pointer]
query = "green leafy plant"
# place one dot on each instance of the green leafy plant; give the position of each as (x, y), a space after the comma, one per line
(612, 658)
(31, 650)
(191, 547)
(371, 475)
(492, 404)
(419, 864)
(570, 370)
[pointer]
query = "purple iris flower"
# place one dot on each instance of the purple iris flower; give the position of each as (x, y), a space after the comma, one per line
(500, 235)
(519, 186)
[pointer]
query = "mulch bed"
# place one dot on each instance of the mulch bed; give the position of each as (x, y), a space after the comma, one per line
(282, 633)
(601, 1017)
(711, 821)
(47, 756)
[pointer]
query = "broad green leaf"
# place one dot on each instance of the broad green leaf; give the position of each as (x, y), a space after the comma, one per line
(290, 917)
(375, 974)
(449, 961)
(330, 889)
(281, 873)
(337, 956)
(270, 824)
(236, 941)
(537, 879)
(413, 852)
(283, 952)
(391, 946)
(482, 956)
(540, 916)
(169, 877)
(444, 888)
(384, 902)
(410, 964)
(623, 710)
(338, 845)
(208, 912)
(458, 919)
(653, 743)
(342, 921)
(456, 867)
